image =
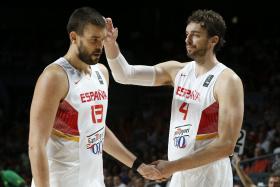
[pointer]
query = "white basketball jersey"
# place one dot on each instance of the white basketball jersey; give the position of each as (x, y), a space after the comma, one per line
(194, 114)
(75, 147)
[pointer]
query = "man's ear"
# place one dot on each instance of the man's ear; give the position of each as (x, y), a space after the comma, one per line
(73, 37)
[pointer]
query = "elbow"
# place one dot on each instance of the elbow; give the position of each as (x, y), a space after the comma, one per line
(35, 149)
(226, 148)
(122, 79)
(229, 148)
(32, 150)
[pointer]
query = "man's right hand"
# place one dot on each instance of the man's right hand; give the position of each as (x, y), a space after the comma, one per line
(112, 32)
(149, 171)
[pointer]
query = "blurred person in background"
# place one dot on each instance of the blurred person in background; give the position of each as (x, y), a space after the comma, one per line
(273, 180)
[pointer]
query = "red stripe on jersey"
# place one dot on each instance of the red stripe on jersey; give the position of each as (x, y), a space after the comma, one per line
(66, 120)
(209, 119)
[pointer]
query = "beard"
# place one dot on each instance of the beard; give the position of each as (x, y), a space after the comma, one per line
(86, 57)
(197, 53)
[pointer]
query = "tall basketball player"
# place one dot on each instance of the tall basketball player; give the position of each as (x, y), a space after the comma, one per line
(207, 106)
(68, 113)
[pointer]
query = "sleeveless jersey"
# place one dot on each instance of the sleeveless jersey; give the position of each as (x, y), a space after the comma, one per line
(194, 124)
(194, 113)
(75, 147)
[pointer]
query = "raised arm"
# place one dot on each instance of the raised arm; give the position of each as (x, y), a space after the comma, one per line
(123, 72)
(51, 87)
(228, 92)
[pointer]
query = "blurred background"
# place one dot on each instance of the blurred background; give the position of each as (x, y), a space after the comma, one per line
(34, 36)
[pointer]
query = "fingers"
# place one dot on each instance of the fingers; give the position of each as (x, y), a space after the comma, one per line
(109, 24)
(150, 172)
(155, 162)
(108, 19)
(116, 32)
(161, 180)
(112, 32)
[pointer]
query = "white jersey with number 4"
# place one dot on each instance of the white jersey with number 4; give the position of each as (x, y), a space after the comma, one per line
(194, 124)
(75, 147)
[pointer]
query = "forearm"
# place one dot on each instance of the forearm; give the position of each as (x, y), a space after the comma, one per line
(111, 49)
(115, 148)
(213, 152)
(125, 73)
(39, 166)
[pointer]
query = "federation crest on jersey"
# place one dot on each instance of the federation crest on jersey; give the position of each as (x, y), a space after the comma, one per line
(99, 77)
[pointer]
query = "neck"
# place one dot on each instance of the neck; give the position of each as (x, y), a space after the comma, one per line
(73, 59)
(204, 64)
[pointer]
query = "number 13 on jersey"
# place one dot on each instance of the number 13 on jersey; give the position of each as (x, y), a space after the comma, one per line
(97, 113)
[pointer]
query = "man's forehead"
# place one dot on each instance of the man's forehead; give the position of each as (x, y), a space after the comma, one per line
(94, 31)
(194, 27)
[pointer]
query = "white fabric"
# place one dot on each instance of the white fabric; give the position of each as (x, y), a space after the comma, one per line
(78, 162)
(194, 115)
(131, 74)
(218, 174)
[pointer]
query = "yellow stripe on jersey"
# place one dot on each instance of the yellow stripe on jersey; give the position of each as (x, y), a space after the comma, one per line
(206, 136)
(65, 136)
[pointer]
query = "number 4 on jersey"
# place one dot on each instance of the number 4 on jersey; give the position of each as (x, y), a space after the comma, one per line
(184, 109)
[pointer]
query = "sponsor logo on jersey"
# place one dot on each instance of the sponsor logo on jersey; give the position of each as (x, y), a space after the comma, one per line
(93, 96)
(95, 141)
(187, 93)
(208, 80)
(180, 136)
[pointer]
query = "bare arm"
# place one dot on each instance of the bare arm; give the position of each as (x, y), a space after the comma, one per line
(229, 93)
(245, 179)
(115, 148)
(50, 88)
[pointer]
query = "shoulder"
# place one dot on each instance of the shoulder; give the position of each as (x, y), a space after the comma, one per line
(228, 83)
(54, 72)
(54, 80)
(229, 76)
(102, 68)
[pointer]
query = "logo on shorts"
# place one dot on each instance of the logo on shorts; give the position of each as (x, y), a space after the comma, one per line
(180, 136)
(95, 141)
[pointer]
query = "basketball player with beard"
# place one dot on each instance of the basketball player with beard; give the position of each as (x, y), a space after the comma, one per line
(207, 107)
(68, 113)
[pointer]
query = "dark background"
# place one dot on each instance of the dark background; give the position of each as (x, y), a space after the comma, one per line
(34, 35)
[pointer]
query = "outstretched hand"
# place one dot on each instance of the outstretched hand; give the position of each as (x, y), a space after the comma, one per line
(149, 172)
(165, 169)
(112, 32)
(159, 170)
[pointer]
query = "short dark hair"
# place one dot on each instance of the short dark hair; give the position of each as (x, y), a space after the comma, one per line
(213, 22)
(83, 16)
(275, 174)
